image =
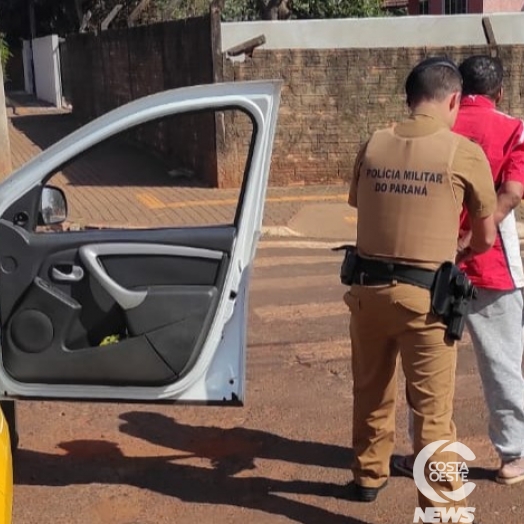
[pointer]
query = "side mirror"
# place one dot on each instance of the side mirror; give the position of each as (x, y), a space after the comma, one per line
(53, 206)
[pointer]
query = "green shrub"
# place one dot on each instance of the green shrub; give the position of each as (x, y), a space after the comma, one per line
(5, 54)
(305, 9)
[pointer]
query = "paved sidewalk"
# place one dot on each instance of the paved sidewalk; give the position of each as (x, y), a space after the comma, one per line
(121, 186)
(108, 187)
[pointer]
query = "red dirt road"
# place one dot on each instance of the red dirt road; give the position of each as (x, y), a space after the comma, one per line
(282, 458)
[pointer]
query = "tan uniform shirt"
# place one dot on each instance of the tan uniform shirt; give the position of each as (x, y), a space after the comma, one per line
(410, 183)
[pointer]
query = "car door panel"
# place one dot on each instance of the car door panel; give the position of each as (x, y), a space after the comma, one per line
(185, 327)
(132, 361)
(34, 349)
(131, 314)
(99, 315)
(29, 254)
(122, 292)
(135, 270)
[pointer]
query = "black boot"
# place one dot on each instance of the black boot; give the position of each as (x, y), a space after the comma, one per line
(360, 493)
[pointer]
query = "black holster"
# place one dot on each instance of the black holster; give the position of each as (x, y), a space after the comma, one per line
(451, 294)
(373, 272)
(349, 264)
(451, 290)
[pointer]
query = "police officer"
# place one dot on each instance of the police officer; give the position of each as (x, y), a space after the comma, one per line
(495, 318)
(409, 184)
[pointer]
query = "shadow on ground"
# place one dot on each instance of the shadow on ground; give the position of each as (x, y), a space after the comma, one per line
(230, 452)
(474, 473)
(114, 163)
(44, 130)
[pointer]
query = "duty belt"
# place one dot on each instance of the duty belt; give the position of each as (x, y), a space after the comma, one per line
(375, 272)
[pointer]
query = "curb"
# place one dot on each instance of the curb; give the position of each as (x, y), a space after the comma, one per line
(270, 234)
(279, 231)
(301, 244)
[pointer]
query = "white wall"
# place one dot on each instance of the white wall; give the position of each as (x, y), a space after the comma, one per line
(405, 31)
(46, 59)
(28, 70)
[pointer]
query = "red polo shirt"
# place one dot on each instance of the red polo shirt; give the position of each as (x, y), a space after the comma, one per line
(502, 139)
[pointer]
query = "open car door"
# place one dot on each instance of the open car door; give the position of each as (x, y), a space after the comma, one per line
(176, 296)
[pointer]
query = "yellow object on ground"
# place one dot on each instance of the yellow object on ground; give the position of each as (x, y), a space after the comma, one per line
(6, 473)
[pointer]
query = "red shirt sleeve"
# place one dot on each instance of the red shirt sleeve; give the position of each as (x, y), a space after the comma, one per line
(513, 170)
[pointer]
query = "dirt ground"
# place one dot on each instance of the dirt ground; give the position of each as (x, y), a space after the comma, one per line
(282, 458)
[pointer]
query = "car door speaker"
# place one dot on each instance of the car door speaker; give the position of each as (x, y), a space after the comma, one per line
(32, 331)
(43, 319)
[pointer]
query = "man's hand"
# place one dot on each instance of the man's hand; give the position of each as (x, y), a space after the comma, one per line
(508, 198)
(481, 238)
(464, 250)
(464, 239)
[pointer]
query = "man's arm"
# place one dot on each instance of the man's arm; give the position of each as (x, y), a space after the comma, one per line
(512, 188)
(510, 192)
(352, 198)
(483, 234)
(478, 240)
(509, 197)
(473, 169)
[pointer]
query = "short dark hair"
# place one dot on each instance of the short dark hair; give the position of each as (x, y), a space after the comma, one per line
(432, 79)
(482, 75)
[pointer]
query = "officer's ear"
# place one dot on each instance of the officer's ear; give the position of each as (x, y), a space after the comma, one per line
(454, 101)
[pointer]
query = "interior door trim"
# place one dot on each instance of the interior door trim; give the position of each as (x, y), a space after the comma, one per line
(126, 298)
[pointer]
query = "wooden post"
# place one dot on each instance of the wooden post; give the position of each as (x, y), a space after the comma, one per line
(5, 148)
(490, 36)
(217, 64)
(247, 47)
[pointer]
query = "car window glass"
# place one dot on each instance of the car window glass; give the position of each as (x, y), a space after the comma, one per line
(163, 173)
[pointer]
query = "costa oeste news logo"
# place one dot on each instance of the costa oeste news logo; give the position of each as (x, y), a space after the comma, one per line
(444, 471)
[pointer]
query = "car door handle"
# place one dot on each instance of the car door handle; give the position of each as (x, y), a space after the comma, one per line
(75, 275)
(129, 299)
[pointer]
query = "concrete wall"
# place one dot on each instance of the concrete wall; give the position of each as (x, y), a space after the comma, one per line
(46, 60)
(28, 66)
(5, 149)
(407, 31)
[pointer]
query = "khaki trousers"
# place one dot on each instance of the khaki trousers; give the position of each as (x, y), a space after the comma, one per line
(387, 321)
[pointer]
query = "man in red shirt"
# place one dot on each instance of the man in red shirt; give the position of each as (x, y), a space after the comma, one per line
(495, 319)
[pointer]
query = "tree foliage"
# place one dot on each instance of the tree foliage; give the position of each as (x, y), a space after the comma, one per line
(176, 9)
(68, 16)
(300, 9)
(337, 8)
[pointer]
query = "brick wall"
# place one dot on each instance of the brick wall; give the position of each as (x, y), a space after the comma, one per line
(333, 99)
(108, 70)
